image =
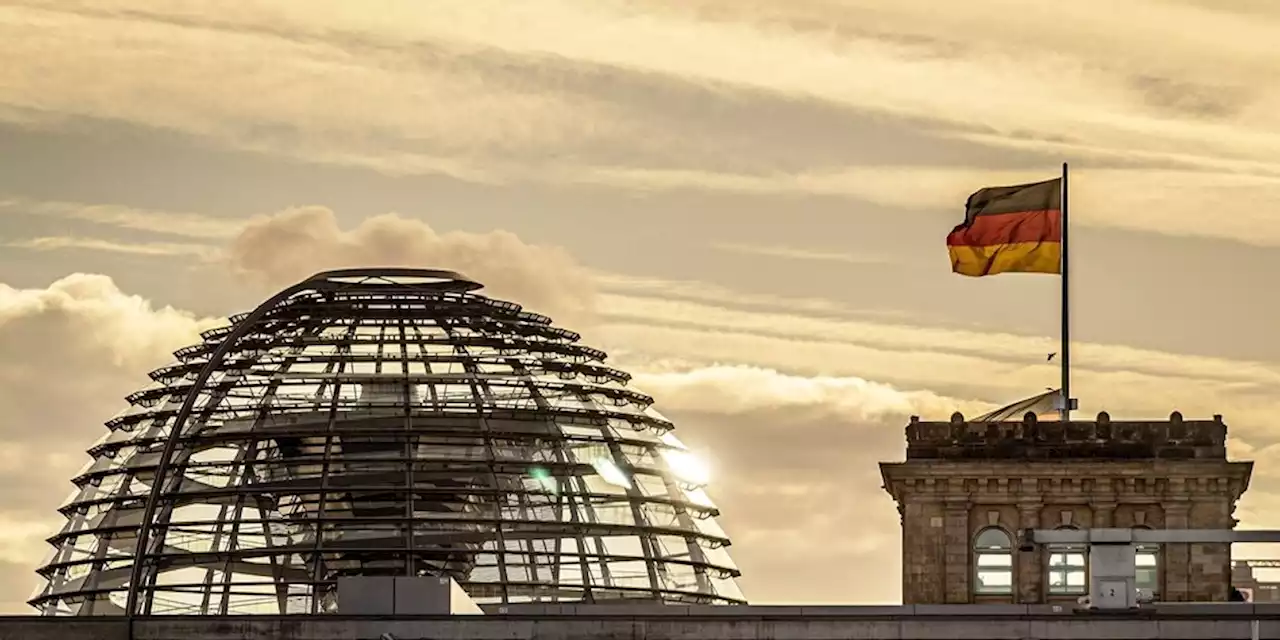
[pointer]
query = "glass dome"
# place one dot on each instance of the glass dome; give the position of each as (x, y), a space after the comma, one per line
(385, 422)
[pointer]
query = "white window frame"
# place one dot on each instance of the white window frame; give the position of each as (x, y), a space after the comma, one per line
(1065, 561)
(993, 558)
(1146, 559)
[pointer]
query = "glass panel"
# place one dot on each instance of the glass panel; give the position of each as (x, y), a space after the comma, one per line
(994, 581)
(1066, 560)
(1147, 562)
(1068, 572)
(995, 560)
(993, 539)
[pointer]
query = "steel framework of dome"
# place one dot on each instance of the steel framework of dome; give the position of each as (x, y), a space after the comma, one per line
(385, 422)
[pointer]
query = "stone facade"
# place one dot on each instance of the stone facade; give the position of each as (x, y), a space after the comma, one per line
(1255, 590)
(962, 478)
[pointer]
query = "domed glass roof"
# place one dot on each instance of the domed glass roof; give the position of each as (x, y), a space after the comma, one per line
(385, 422)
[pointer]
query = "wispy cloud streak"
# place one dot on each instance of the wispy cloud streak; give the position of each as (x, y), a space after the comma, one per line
(792, 253)
(346, 85)
(190, 225)
(168, 249)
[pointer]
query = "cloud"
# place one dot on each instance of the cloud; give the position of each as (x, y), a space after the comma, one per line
(909, 340)
(795, 473)
(1055, 75)
(285, 247)
(707, 292)
(69, 353)
(107, 325)
(544, 93)
(1153, 201)
(54, 243)
(791, 253)
(413, 87)
(1144, 200)
(656, 332)
(280, 248)
(740, 389)
(179, 223)
(330, 94)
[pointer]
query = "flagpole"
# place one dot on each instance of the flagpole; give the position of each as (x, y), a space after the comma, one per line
(1065, 412)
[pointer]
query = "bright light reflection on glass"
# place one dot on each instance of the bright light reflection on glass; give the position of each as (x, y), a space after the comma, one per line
(671, 440)
(688, 467)
(545, 480)
(609, 472)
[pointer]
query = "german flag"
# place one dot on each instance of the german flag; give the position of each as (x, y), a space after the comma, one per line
(1014, 229)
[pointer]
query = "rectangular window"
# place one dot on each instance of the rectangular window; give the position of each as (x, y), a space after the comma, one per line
(995, 574)
(1068, 572)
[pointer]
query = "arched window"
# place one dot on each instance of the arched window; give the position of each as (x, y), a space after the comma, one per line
(993, 562)
(1146, 560)
(1068, 568)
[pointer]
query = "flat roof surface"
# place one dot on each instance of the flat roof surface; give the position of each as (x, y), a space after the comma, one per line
(1223, 621)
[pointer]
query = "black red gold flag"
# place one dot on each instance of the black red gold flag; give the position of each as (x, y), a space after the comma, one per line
(1016, 229)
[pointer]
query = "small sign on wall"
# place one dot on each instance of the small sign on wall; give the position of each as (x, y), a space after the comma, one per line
(1113, 595)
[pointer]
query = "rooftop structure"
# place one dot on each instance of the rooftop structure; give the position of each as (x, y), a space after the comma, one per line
(967, 488)
(1256, 579)
(387, 422)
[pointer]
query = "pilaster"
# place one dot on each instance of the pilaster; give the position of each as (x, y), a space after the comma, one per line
(958, 553)
(1029, 566)
(1176, 557)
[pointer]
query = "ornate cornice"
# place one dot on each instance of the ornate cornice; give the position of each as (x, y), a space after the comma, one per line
(1089, 481)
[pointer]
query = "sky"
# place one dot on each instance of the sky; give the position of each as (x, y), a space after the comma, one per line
(743, 201)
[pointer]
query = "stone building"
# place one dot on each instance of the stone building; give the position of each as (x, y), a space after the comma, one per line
(1244, 576)
(967, 488)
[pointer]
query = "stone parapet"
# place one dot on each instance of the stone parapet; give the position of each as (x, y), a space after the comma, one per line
(1101, 438)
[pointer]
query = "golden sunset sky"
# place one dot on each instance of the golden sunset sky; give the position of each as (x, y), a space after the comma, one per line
(743, 201)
